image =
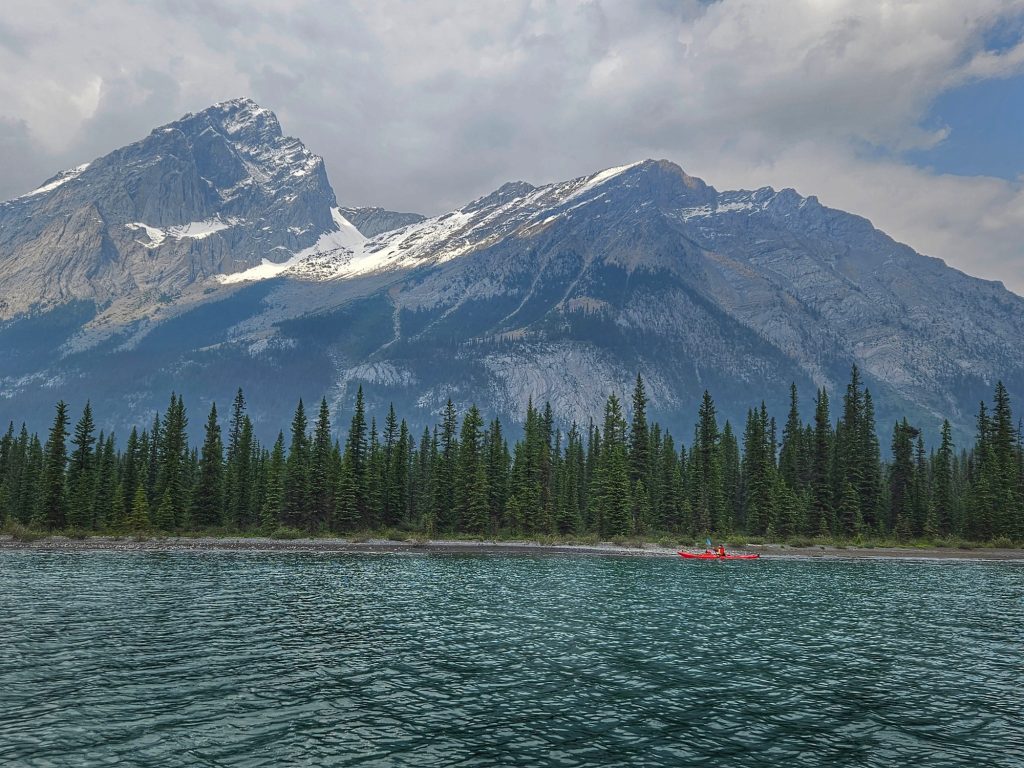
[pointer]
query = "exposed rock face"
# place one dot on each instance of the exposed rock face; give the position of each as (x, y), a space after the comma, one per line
(561, 292)
(214, 192)
(375, 221)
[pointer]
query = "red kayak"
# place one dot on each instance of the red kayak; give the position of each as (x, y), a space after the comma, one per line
(713, 556)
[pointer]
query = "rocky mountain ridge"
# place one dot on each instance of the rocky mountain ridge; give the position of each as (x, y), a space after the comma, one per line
(557, 292)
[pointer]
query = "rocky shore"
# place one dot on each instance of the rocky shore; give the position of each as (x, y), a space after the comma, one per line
(449, 547)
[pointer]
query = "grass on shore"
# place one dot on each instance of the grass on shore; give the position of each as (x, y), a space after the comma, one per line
(23, 533)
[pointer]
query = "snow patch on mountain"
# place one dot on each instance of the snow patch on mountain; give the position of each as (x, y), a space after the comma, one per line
(322, 259)
(195, 230)
(59, 180)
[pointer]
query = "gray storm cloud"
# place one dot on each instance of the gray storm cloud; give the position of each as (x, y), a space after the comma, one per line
(424, 106)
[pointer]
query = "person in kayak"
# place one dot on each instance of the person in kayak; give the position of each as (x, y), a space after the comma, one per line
(720, 551)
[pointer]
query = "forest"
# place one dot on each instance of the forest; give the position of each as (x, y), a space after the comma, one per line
(623, 477)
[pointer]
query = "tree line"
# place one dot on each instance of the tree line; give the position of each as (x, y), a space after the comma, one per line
(623, 476)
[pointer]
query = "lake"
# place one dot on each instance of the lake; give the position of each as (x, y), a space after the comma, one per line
(250, 659)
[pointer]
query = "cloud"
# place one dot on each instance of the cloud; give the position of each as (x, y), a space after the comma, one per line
(424, 106)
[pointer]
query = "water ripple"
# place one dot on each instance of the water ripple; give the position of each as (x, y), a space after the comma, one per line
(258, 659)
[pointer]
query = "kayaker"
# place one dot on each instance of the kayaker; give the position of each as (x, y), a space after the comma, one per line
(721, 551)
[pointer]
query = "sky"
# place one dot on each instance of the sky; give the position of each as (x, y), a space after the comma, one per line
(908, 113)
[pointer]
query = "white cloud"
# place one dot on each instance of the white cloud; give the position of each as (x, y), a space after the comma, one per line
(424, 106)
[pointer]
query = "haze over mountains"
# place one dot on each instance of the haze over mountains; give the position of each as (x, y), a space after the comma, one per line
(213, 254)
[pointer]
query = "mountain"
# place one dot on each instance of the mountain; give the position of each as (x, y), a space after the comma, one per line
(560, 292)
(213, 192)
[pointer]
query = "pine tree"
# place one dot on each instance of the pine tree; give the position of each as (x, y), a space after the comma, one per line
(103, 506)
(793, 451)
(164, 517)
(471, 493)
(30, 485)
(1003, 476)
(732, 482)
(706, 486)
(498, 461)
(820, 517)
(614, 503)
(208, 495)
(639, 436)
(444, 498)
(759, 472)
(273, 502)
(901, 479)
(81, 473)
(355, 458)
(848, 513)
(138, 520)
(321, 476)
(943, 473)
(296, 480)
(52, 509)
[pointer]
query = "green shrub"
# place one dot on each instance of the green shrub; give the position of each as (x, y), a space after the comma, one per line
(20, 532)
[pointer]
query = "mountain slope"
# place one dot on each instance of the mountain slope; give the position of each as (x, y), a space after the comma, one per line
(560, 292)
(211, 193)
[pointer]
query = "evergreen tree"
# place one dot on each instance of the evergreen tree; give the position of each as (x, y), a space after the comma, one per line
(901, 479)
(708, 497)
(208, 495)
(732, 481)
(793, 451)
(355, 459)
(273, 502)
(444, 498)
(81, 472)
(52, 509)
(138, 520)
(820, 516)
(321, 475)
(943, 473)
(296, 478)
(639, 436)
(103, 502)
(173, 479)
(471, 492)
(498, 461)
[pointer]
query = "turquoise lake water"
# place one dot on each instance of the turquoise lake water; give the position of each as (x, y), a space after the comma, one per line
(224, 659)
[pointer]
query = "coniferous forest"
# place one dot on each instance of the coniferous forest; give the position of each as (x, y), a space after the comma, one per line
(622, 477)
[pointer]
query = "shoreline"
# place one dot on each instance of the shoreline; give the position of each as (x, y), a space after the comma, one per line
(454, 547)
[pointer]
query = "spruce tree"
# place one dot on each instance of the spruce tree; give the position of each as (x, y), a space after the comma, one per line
(103, 505)
(471, 492)
(355, 459)
(820, 517)
(52, 509)
(296, 481)
(639, 442)
(444, 498)
(81, 472)
(321, 476)
(208, 495)
(706, 487)
(138, 520)
(943, 473)
(498, 461)
(273, 502)
(791, 456)
(901, 479)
